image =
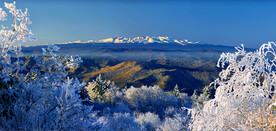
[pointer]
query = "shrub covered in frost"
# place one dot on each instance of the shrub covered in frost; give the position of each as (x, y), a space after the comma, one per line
(121, 122)
(148, 121)
(245, 97)
(153, 99)
(149, 107)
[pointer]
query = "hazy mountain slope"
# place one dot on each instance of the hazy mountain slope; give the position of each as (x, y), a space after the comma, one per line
(188, 74)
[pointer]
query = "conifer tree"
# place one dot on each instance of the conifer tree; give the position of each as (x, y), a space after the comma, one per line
(175, 91)
(98, 87)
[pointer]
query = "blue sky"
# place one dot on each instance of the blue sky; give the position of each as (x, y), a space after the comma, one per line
(224, 22)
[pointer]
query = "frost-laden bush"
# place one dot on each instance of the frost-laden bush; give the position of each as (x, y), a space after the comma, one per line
(154, 99)
(245, 97)
(148, 121)
(176, 120)
(145, 108)
(42, 98)
(179, 122)
(120, 122)
(143, 99)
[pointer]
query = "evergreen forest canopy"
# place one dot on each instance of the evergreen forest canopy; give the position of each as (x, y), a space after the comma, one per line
(45, 98)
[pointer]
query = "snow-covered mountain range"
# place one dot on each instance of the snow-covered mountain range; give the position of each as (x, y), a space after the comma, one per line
(124, 45)
(144, 40)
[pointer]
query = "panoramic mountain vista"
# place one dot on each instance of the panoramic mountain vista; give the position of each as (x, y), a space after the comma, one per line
(148, 83)
(145, 61)
(118, 45)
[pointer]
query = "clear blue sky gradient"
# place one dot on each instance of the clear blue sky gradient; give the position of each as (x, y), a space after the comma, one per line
(224, 22)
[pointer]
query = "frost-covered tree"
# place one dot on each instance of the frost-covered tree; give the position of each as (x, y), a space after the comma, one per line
(98, 87)
(40, 98)
(34, 109)
(175, 91)
(198, 100)
(70, 113)
(17, 32)
(245, 97)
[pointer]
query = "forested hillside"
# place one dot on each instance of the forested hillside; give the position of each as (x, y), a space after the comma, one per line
(166, 72)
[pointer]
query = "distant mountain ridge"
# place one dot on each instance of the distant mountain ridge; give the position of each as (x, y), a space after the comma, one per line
(137, 48)
(143, 40)
(146, 60)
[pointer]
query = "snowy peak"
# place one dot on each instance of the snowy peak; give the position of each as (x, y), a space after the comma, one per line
(144, 40)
